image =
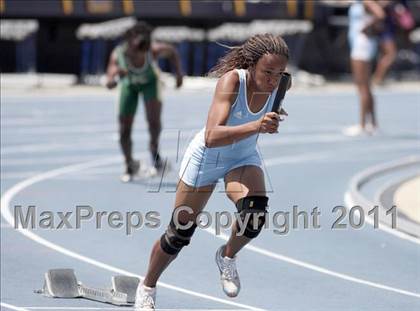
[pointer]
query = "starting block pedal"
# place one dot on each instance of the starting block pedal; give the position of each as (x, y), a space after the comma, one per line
(62, 283)
(126, 284)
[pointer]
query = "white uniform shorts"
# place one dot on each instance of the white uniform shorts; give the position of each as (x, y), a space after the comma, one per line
(201, 167)
(362, 47)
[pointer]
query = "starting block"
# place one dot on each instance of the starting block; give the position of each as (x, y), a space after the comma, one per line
(62, 283)
(126, 284)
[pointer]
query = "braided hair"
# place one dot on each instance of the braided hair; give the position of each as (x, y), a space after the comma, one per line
(248, 54)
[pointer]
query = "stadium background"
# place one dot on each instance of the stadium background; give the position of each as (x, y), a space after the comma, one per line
(77, 36)
(59, 149)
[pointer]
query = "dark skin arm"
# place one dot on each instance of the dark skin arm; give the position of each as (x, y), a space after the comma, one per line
(376, 8)
(113, 71)
(169, 51)
(217, 132)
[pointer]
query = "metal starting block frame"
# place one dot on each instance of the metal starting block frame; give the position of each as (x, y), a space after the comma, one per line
(62, 283)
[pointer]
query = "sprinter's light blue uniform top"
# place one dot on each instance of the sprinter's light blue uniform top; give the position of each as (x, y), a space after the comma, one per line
(241, 114)
(203, 166)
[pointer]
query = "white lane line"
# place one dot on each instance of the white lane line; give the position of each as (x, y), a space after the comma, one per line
(316, 268)
(71, 169)
(8, 196)
(367, 174)
(53, 147)
(102, 142)
(173, 134)
(348, 202)
(318, 156)
(8, 162)
(269, 143)
(123, 308)
(12, 307)
(312, 156)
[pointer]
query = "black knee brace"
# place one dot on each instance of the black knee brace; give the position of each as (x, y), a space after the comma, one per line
(255, 206)
(174, 239)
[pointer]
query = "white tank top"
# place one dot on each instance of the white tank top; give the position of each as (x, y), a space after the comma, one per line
(239, 114)
(358, 18)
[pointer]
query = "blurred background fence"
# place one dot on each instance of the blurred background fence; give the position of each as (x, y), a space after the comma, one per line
(77, 36)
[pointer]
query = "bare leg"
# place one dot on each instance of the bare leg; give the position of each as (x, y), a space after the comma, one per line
(241, 182)
(361, 76)
(159, 261)
(153, 113)
(388, 55)
(196, 199)
(125, 127)
(372, 113)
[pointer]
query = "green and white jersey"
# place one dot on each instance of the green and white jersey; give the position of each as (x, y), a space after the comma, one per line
(137, 75)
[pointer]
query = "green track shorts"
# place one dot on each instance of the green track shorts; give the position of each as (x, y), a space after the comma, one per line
(129, 95)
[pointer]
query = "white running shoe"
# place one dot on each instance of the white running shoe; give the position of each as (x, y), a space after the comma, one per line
(132, 170)
(354, 130)
(125, 178)
(373, 130)
(145, 298)
(228, 274)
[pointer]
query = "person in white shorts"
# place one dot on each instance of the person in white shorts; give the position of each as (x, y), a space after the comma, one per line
(226, 148)
(365, 23)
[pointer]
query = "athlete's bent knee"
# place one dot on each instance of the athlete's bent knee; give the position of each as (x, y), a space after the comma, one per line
(176, 237)
(252, 211)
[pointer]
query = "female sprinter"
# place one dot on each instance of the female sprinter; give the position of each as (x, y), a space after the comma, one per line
(365, 25)
(133, 62)
(225, 148)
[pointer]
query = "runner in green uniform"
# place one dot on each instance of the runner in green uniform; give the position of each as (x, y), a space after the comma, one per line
(133, 62)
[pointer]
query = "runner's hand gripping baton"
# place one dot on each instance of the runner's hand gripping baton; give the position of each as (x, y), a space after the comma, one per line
(281, 92)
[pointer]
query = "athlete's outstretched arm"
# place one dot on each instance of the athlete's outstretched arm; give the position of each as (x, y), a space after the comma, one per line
(113, 71)
(217, 132)
(165, 50)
